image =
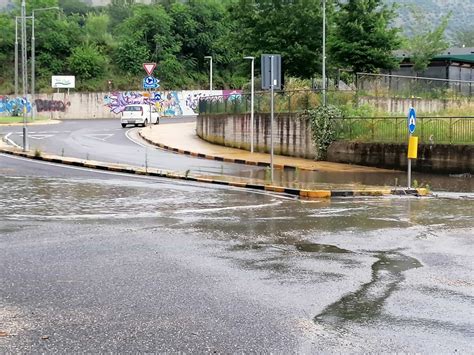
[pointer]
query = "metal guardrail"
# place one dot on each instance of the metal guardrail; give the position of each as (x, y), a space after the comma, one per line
(429, 129)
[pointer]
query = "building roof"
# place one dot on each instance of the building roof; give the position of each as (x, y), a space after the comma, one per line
(463, 58)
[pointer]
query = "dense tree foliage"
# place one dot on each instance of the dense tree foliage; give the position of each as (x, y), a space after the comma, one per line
(102, 44)
(362, 39)
(290, 28)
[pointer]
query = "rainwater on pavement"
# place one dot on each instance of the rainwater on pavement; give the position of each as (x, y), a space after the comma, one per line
(95, 262)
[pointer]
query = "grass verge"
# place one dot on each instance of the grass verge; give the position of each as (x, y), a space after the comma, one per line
(19, 119)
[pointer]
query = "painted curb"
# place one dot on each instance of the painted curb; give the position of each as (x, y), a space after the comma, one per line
(218, 158)
(300, 193)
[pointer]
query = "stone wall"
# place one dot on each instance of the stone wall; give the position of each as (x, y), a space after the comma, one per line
(291, 135)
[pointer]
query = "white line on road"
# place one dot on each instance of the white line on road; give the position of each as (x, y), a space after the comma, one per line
(127, 134)
(10, 141)
(99, 136)
(40, 136)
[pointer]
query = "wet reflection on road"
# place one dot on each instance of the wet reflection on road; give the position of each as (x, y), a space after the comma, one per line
(385, 269)
(367, 302)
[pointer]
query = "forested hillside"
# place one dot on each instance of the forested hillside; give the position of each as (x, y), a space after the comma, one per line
(462, 13)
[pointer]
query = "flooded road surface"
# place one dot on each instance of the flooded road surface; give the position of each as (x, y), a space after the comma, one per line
(92, 262)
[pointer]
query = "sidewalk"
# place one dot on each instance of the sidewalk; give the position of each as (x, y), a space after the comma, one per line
(182, 138)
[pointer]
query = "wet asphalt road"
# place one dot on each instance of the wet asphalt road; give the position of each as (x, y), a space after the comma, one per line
(101, 262)
(105, 140)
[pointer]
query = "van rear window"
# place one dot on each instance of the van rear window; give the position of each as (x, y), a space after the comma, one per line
(133, 108)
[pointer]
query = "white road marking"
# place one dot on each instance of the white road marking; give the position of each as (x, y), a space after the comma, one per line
(205, 210)
(100, 136)
(40, 136)
(127, 134)
(10, 141)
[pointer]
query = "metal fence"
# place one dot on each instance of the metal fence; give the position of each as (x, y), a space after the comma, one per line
(430, 130)
(384, 85)
(284, 101)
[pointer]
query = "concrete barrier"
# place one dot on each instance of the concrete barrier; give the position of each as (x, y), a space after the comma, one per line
(292, 137)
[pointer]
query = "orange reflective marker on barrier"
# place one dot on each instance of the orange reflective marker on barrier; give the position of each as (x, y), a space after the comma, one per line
(413, 147)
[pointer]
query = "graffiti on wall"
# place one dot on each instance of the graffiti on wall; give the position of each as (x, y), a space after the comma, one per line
(168, 103)
(51, 105)
(14, 106)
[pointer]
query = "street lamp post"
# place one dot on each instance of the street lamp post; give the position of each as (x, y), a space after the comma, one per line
(17, 62)
(210, 70)
(16, 56)
(324, 52)
(23, 70)
(33, 55)
(251, 102)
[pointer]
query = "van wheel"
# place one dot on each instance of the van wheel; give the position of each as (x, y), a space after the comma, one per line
(124, 125)
(145, 123)
(157, 121)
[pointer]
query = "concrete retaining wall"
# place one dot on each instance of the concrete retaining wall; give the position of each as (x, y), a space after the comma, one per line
(110, 104)
(439, 158)
(291, 136)
(401, 105)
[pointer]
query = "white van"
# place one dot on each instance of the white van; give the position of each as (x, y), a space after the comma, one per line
(139, 114)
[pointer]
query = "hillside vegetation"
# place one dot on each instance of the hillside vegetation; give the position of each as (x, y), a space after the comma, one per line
(104, 47)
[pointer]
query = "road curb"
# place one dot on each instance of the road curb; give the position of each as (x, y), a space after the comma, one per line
(218, 158)
(297, 192)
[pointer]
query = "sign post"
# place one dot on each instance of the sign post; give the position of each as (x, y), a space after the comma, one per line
(150, 82)
(412, 142)
(271, 79)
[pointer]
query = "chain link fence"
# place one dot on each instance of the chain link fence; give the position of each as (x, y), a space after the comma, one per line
(383, 85)
(284, 101)
(430, 130)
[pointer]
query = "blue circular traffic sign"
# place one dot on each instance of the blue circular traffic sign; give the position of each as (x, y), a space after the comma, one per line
(411, 120)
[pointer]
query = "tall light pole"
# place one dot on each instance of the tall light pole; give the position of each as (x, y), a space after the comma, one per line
(251, 101)
(23, 71)
(16, 52)
(324, 52)
(210, 70)
(33, 55)
(16, 56)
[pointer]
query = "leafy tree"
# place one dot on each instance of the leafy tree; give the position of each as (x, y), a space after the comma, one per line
(202, 28)
(427, 41)
(70, 7)
(97, 29)
(87, 62)
(464, 37)
(130, 55)
(7, 40)
(290, 28)
(362, 38)
(119, 11)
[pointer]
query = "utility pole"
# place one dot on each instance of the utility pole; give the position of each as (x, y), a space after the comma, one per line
(324, 52)
(24, 72)
(16, 56)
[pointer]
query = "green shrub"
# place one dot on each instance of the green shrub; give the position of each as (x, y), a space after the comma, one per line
(323, 126)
